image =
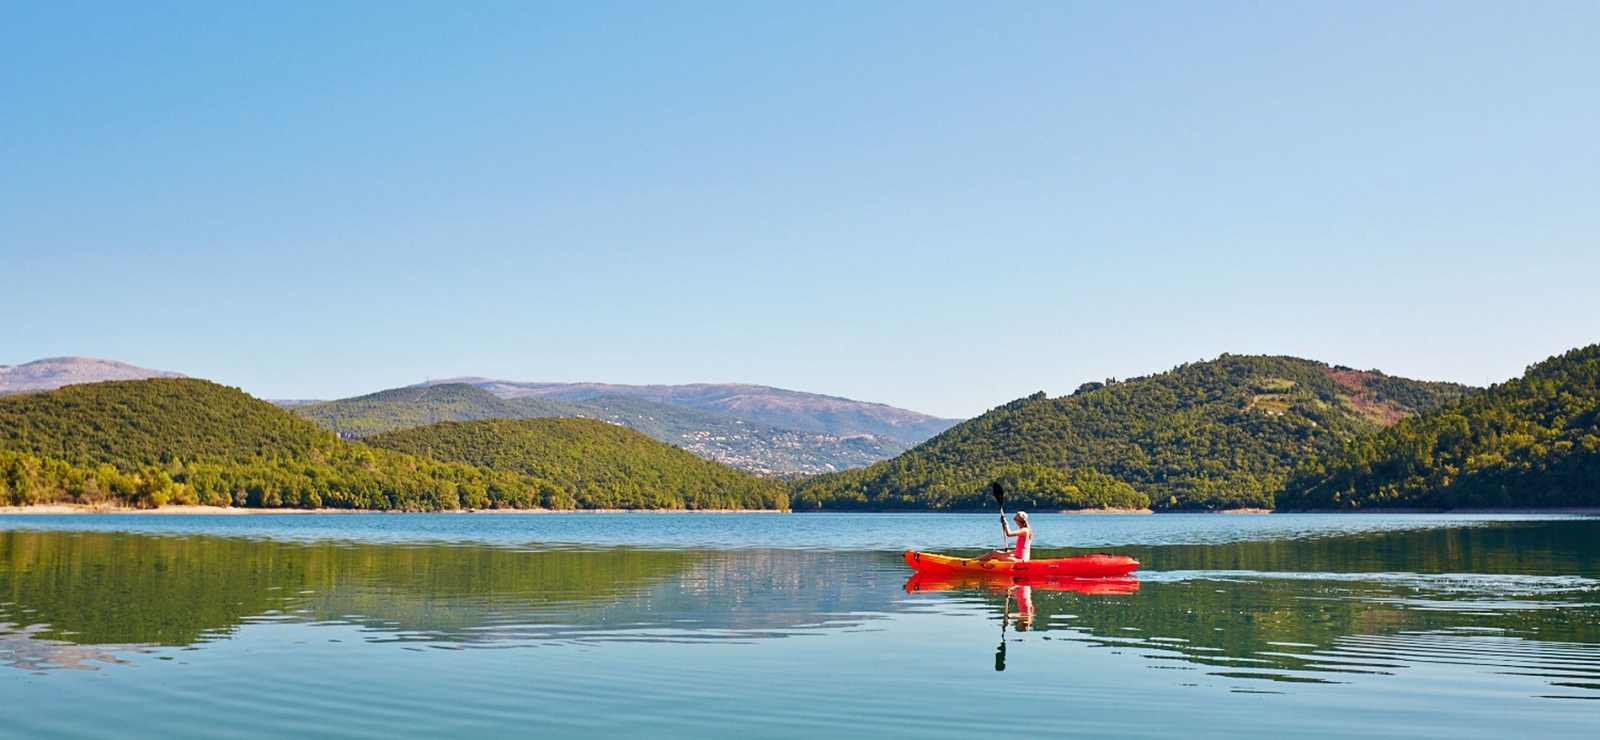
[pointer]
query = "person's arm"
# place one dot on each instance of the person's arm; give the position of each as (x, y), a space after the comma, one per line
(1007, 527)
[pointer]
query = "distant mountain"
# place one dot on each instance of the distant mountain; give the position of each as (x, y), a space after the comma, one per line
(1529, 442)
(289, 403)
(55, 372)
(1206, 435)
(807, 412)
(757, 448)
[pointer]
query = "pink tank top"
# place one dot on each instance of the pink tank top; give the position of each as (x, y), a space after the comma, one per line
(1024, 539)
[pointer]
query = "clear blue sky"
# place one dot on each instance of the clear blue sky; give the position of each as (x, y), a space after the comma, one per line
(941, 206)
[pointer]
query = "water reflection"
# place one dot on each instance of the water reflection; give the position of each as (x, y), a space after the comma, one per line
(1518, 600)
(1315, 627)
(23, 647)
(98, 588)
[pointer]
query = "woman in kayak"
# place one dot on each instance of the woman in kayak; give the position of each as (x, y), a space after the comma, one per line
(1024, 535)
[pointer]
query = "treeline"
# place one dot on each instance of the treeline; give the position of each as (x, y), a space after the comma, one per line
(1528, 442)
(1208, 435)
(599, 465)
(154, 442)
(1028, 486)
(365, 479)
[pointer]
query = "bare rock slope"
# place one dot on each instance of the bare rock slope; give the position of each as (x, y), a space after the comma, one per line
(55, 372)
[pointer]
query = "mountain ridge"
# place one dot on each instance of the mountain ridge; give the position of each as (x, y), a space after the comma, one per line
(779, 407)
(750, 446)
(50, 373)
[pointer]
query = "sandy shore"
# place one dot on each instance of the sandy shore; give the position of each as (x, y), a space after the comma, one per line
(81, 509)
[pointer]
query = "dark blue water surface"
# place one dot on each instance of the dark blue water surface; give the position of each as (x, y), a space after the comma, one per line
(765, 625)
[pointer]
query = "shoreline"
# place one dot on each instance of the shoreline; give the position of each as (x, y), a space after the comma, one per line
(180, 510)
(1581, 510)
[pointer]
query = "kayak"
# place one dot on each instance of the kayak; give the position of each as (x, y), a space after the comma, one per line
(1085, 566)
(1115, 585)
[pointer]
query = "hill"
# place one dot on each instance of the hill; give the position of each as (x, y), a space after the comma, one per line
(807, 412)
(56, 372)
(1528, 442)
(603, 465)
(398, 408)
(1206, 435)
(149, 442)
(753, 447)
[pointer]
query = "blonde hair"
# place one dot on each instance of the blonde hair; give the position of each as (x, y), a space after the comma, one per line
(1023, 515)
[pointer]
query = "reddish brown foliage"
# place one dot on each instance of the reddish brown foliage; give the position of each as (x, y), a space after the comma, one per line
(1365, 401)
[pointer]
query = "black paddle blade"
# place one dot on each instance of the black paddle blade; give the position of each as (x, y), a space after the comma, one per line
(999, 493)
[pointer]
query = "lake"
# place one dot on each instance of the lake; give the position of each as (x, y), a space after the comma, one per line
(764, 625)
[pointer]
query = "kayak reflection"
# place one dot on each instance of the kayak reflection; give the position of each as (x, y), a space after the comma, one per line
(925, 582)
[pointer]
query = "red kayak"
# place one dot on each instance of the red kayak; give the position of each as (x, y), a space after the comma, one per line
(1086, 566)
(923, 582)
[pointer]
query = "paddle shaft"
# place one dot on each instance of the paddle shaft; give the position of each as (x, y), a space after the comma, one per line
(1000, 498)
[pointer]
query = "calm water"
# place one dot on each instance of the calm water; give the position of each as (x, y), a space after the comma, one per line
(793, 626)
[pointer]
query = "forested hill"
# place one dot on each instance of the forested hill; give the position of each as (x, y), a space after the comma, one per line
(399, 408)
(150, 442)
(1528, 442)
(1206, 435)
(603, 465)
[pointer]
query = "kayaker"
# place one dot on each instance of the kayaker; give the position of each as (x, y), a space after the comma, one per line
(1024, 535)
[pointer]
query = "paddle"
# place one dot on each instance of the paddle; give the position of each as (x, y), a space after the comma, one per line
(1000, 498)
